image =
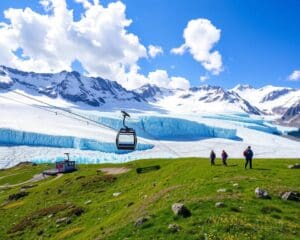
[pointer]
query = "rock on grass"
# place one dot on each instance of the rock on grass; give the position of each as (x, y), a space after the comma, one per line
(219, 204)
(292, 196)
(66, 220)
(173, 227)
(116, 194)
(140, 221)
(294, 166)
(179, 209)
(222, 190)
(261, 193)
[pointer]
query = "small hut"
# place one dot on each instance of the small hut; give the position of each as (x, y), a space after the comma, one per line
(66, 165)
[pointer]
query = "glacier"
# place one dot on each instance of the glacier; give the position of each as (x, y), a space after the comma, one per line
(244, 120)
(42, 136)
(11, 137)
(169, 128)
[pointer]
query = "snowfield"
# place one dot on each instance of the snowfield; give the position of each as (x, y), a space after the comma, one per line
(32, 131)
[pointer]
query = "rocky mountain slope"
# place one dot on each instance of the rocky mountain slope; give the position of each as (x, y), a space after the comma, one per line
(282, 102)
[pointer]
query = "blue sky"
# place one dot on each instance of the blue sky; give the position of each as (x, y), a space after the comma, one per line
(259, 40)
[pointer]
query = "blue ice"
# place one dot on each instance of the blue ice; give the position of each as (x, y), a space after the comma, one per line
(11, 137)
(246, 121)
(168, 128)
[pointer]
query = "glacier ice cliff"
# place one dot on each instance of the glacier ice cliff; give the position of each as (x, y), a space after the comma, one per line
(11, 137)
(169, 128)
(246, 121)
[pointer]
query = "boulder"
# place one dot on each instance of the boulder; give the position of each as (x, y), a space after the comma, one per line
(292, 196)
(180, 210)
(219, 204)
(140, 221)
(173, 227)
(66, 220)
(294, 166)
(222, 190)
(261, 193)
(116, 194)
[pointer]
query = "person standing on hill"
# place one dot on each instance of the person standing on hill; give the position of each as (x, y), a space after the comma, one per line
(248, 154)
(212, 157)
(224, 156)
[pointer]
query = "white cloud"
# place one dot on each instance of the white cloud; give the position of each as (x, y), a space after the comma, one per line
(179, 82)
(294, 76)
(153, 51)
(159, 78)
(180, 50)
(204, 78)
(162, 79)
(51, 41)
(200, 36)
(99, 40)
(46, 4)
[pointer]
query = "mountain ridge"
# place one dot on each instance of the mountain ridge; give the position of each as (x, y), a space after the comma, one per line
(96, 92)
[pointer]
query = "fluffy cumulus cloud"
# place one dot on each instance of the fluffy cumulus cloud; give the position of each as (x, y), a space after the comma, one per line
(294, 76)
(200, 36)
(153, 51)
(51, 41)
(161, 78)
(179, 82)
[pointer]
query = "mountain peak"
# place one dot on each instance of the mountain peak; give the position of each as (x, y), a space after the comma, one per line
(242, 87)
(149, 85)
(71, 86)
(152, 92)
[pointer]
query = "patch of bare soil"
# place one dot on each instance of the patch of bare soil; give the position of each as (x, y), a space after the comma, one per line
(114, 170)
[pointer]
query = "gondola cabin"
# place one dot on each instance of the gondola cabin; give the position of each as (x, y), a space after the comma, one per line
(66, 165)
(126, 138)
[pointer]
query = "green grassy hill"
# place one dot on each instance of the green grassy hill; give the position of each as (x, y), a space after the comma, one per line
(81, 205)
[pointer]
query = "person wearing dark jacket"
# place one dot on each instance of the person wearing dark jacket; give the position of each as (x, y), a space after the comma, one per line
(224, 156)
(248, 154)
(212, 157)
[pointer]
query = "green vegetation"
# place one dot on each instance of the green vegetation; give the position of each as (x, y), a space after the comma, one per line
(81, 205)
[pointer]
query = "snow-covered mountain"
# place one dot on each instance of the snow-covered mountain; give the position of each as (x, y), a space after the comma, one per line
(269, 99)
(71, 86)
(97, 92)
(206, 99)
(292, 115)
(153, 93)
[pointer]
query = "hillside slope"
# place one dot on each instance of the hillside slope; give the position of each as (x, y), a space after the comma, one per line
(87, 205)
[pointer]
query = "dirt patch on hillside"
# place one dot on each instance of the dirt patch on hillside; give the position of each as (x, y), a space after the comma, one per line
(114, 170)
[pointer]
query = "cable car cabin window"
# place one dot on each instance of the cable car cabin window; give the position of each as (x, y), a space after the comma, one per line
(125, 138)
